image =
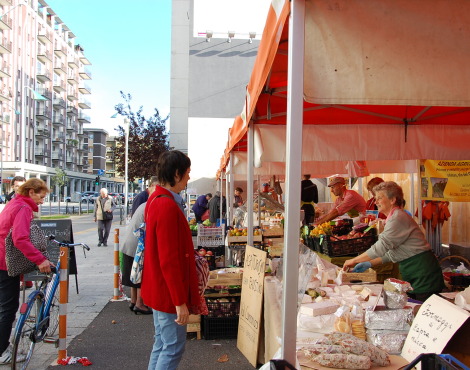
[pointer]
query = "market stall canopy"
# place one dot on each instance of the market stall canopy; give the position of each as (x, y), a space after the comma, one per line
(383, 80)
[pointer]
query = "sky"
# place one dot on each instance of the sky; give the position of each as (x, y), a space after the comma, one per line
(129, 46)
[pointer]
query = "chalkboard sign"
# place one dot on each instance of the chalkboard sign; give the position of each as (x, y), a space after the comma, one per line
(62, 229)
(251, 303)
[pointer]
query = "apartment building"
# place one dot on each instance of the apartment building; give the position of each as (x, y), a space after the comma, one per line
(44, 94)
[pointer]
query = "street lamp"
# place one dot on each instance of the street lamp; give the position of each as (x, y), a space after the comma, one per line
(36, 96)
(126, 123)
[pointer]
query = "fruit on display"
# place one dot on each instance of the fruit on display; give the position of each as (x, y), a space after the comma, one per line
(207, 222)
(322, 229)
(202, 252)
(242, 232)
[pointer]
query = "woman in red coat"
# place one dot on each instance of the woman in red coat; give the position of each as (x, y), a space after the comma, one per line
(169, 281)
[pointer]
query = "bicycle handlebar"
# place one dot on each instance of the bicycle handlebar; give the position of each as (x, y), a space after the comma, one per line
(69, 245)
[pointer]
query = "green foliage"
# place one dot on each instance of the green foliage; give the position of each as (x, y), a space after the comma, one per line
(148, 138)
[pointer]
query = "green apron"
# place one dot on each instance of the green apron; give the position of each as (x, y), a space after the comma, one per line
(423, 272)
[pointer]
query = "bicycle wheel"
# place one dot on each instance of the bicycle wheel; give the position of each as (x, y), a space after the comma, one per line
(24, 338)
(53, 315)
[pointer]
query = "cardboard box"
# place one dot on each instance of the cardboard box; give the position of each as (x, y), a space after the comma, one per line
(367, 276)
(243, 239)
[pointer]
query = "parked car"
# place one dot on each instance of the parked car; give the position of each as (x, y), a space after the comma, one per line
(89, 196)
(118, 199)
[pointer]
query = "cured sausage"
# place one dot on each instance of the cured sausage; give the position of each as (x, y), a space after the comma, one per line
(343, 361)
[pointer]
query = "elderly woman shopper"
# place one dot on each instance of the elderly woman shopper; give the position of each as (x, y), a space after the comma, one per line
(401, 241)
(128, 248)
(169, 281)
(17, 216)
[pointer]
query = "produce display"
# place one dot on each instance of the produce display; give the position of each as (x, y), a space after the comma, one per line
(242, 231)
(223, 307)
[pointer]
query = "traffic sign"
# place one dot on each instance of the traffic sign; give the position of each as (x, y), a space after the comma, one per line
(100, 172)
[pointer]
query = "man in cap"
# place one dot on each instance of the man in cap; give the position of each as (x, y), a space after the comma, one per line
(347, 201)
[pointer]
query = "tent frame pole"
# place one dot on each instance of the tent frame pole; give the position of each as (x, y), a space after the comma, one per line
(293, 176)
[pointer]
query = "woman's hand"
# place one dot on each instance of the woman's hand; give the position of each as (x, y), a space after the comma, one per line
(349, 264)
(182, 313)
(45, 267)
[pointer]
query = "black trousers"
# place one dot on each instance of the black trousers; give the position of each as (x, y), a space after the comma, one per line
(103, 230)
(9, 303)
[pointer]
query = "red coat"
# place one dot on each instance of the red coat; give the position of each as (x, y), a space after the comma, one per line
(169, 278)
(18, 214)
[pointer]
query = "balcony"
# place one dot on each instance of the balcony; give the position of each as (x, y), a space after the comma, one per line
(59, 103)
(56, 155)
(58, 137)
(84, 74)
(43, 131)
(84, 104)
(43, 74)
(45, 92)
(60, 51)
(84, 118)
(44, 55)
(5, 22)
(58, 119)
(5, 46)
(43, 113)
(5, 118)
(84, 89)
(71, 126)
(72, 111)
(44, 35)
(73, 63)
(72, 79)
(60, 69)
(72, 95)
(5, 70)
(59, 86)
(40, 152)
(5, 94)
(70, 159)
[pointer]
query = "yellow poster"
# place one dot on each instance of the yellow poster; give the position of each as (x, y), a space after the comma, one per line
(445, 180)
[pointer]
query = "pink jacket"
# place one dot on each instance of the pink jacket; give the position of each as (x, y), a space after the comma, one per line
(18, 214)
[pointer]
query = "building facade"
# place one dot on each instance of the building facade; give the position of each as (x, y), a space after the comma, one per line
(44, 94)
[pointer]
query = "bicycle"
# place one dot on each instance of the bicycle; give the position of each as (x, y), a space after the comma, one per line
(39, 315)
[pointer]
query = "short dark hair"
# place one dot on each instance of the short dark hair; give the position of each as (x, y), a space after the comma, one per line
(33, 184)
(239, 189)
(18, 178)
(209, 195)
(171, 164)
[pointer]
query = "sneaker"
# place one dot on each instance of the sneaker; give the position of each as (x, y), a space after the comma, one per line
(7, 356)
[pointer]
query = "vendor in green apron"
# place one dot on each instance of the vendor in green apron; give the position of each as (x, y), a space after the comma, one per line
(401, 241)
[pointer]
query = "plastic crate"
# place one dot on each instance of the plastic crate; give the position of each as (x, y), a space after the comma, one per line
(347, 247)
(219, 328)
(210, 236)
(432, 361)
(223, 309)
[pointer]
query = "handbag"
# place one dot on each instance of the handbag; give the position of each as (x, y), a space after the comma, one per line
(16, 261)
(205, 215)
(202, 270)
(106, 215)
(138, 263)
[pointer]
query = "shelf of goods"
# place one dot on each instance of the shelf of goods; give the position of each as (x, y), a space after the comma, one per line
(236, 246)
(210, 236)
(223, 302)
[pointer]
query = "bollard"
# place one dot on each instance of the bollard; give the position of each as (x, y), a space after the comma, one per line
(63, 299)
(116, 264)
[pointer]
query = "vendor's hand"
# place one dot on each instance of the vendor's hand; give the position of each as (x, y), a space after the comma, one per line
(363, 266)
(182, 313)
(45, 267)
(348, 264)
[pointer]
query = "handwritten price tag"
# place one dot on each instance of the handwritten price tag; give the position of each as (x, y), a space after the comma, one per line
(434, 325)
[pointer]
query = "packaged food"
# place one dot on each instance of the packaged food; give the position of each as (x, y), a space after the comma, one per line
(343, 320)
(358, 328)
(343, 361)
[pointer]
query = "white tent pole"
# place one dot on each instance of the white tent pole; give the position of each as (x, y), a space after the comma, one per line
(220, 200)
(230, 195)
(227, 199)
(293, 175)
(249, 184)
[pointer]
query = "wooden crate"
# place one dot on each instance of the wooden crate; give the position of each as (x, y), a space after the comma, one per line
(194, 325)
(367, 276)
(243, 239)
(273, 232)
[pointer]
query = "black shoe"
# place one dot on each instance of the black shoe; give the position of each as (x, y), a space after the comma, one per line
(131, 306)
(99, 244)
(142, 312)
(105, 244)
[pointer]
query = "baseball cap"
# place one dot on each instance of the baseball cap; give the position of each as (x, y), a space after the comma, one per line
(336, 180)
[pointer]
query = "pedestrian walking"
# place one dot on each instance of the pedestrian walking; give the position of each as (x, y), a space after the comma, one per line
(104, 207)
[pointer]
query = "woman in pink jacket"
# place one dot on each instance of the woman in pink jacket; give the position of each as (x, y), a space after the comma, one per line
(18, 215)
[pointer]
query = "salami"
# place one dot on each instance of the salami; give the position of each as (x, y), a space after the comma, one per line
(343, 361)
(313, 350)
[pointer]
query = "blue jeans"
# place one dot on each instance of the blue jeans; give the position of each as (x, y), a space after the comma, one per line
(9, 303)
(170, 339)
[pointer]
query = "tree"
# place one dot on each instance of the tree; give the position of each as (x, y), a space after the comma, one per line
(59, 180)
(148, 138)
